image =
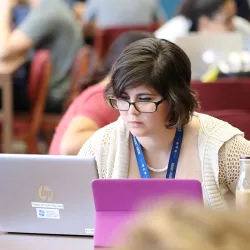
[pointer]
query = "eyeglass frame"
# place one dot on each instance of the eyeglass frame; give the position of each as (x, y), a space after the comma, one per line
(134, 104)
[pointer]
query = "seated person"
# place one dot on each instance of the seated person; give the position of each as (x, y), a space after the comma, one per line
(113, 13)
(172, 226)
(150, 86)
(49, 25)
(205, 17)
(89, 111)
(78, 7)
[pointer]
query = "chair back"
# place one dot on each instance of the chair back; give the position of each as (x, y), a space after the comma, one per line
(84, 59)
(39, 77)
(104, 37)
(223, 94)
(228, 100)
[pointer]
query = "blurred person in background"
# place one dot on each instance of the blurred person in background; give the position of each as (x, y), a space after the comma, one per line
(183, 226)
(78, 7)
(49, 25)
(158, 133)
(170, 7)
(113, 13)
(89, 111)
(204, 16)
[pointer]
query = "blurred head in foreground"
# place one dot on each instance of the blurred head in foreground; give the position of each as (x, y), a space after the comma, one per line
(175, 226)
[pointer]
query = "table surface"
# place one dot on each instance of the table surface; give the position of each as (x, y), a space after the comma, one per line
(44, 242)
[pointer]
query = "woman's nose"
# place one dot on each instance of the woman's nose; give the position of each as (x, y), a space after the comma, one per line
(132, 110)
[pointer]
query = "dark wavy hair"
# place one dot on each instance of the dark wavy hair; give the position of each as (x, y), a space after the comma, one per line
(160, 65)
(121, 42)
(194, 9)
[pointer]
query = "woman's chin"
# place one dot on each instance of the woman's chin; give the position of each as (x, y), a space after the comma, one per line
(137, 132)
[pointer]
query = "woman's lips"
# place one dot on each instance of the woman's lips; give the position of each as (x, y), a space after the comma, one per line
(135, 124)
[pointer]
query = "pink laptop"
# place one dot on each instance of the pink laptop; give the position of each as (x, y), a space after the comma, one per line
(117, 200)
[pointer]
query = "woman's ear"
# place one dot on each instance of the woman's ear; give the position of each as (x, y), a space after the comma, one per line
(203, 23)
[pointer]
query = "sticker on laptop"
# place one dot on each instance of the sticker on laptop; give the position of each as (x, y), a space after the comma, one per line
(89, 231)
(47, 205)
(43, 213)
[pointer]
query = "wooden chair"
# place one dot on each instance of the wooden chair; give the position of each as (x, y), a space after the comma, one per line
(228, 100)
(84, 59)
(26, 126)
(104, 37)
(80, 67)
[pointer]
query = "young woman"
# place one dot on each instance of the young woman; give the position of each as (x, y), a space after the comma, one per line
(158, 134)
(89, 111)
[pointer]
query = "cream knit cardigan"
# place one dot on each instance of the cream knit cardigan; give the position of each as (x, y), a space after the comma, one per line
(220, 147)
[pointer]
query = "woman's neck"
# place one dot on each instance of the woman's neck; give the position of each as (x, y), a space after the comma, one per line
(160, 141)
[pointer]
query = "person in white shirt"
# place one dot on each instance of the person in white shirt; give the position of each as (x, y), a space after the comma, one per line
(205, 17)
(159, 134)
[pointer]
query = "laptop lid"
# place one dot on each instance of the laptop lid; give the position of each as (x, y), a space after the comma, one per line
(202, 49)
(116, 201)
(47, 194)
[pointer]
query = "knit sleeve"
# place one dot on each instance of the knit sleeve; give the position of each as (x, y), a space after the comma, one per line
(92, 147)
(87, 148)
(99, 146)
(229, 160)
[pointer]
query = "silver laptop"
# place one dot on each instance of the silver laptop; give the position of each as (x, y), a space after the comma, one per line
(202, 49)
(45, 194)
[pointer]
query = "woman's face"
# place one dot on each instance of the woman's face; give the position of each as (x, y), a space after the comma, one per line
(222, 21)
(143, 124)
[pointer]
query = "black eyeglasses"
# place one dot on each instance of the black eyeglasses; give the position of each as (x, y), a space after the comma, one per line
(140, 106)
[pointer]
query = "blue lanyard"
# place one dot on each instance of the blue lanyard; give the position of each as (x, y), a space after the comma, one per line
(173, 159)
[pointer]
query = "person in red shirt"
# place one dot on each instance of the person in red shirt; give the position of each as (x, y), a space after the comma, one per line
(90, 111)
